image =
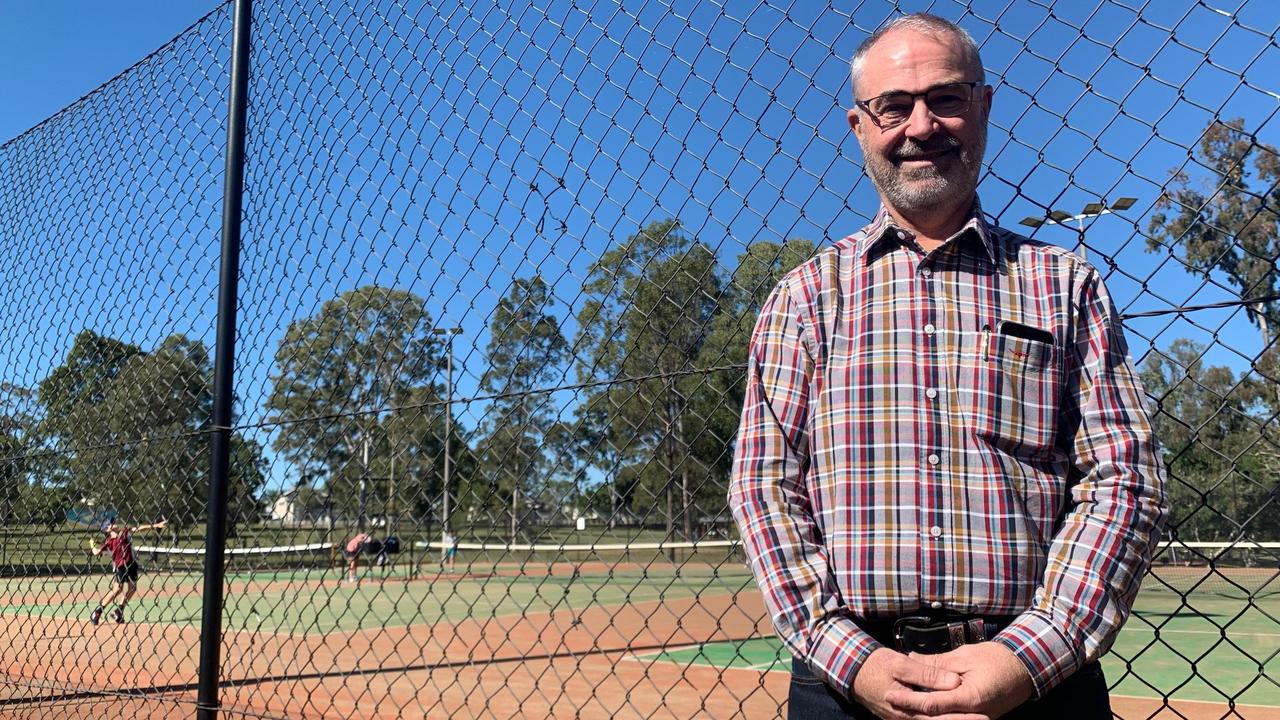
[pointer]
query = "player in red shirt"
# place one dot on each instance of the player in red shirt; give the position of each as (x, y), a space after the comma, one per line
(120, 542)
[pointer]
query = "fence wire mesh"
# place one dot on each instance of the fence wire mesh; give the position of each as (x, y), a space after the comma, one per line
(499, 270)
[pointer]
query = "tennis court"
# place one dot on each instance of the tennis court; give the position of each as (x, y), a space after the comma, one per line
(318, 602)
(306, 272)
(302, 638)
(304, 643)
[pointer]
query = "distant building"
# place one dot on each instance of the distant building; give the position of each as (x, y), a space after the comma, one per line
(285, 510)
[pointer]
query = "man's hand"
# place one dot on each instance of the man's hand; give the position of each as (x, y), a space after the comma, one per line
(993, 682)
(887, 673)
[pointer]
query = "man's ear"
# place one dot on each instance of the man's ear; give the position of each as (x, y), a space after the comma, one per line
(855, 122)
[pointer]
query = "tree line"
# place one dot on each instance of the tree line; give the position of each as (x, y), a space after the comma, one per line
(116, 429)
(646, 438)
(359, 408)
(1218, 428)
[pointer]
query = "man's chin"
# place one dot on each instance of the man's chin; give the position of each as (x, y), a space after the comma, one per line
(928, 188)
(922, 196)
(921, 174)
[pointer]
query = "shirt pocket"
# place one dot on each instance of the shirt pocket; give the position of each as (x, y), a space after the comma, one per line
(1011, 388)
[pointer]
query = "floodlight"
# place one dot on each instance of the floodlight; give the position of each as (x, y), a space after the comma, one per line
(1031, 222)
(1123, 203)
(1058, 216)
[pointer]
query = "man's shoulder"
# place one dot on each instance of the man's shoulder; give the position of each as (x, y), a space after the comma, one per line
(812, 271)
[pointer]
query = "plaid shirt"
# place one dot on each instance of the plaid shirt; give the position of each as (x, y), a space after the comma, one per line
(902, 448)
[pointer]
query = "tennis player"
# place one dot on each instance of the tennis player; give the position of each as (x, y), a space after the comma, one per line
(449, 550)
(354, 547)
(125, 564)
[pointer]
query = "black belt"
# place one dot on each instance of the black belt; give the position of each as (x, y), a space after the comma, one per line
(931, 633)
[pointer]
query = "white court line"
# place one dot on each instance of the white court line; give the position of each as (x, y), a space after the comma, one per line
(641, 657)
(767, 667)
(1180, 701)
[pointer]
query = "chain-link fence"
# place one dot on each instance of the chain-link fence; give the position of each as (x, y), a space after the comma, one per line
(499, 266)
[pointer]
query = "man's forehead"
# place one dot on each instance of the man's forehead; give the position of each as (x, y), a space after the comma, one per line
(896, 58)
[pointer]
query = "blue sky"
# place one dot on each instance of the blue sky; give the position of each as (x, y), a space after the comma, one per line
(55, 52)
(446, 150)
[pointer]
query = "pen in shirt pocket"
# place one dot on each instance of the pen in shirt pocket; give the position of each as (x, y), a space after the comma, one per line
(986, 342)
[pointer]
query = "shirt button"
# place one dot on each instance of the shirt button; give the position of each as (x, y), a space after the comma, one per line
(902, 235)
(934, 459)
(929, 329)
(931, 393)
(935, 605)
(935, 531)
(926, 272)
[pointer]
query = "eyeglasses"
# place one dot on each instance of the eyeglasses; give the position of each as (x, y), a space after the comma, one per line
(894, 108)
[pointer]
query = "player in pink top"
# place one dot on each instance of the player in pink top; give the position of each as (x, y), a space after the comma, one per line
(125, 565)
(353, 549)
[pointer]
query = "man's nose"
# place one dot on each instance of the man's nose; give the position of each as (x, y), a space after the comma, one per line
(922, 123)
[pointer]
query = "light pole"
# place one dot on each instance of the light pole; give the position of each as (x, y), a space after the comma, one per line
(1092, 210)
(450, 334)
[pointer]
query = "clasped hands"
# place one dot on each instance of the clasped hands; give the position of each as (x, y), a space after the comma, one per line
(981, 681)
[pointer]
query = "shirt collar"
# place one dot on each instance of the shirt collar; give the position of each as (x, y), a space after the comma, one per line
(883, 229)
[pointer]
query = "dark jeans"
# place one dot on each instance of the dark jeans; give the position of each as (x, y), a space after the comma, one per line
(1083, 696)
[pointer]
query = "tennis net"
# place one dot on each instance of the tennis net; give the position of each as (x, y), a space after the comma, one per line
(1244, 569)
(309, 556)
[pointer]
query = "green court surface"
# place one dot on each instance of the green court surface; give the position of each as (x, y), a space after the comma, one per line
(317, 602)
(764, 654)
(1205, 648)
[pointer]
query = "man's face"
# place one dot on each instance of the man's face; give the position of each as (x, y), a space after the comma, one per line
(927, 164)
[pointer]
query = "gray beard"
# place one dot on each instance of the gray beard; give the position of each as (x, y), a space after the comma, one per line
(921, 189)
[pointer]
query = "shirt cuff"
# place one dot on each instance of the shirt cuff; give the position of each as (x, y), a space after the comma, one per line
(838, 651)
(1042, 648)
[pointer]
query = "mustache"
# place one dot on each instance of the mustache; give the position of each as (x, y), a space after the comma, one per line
(911, 149)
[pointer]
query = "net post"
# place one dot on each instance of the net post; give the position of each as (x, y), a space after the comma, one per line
(207, 701)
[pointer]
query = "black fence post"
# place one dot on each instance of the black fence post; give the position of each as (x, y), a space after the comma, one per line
(224, 367)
